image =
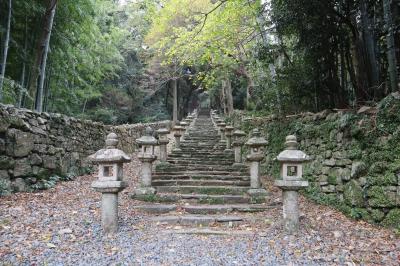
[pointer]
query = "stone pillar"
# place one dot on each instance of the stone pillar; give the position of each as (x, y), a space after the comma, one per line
(177, 134)
(109, 212)
(255, 175)
(228, 135)
(291, 160)
(110, 181)
(290, 210)
(184, 126)
(256, 145)
(222, 126)
(238, 141)
(146, 157)
(163, 141)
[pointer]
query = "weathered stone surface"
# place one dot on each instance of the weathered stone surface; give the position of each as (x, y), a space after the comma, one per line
(357, 169)
(19, 143)
(19, 185)
(22, 168)
(6, 162)
(4, 174)
(50, 162)
(353, 194)
(35, 159)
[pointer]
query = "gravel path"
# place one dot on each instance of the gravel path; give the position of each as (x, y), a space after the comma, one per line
(61, 226)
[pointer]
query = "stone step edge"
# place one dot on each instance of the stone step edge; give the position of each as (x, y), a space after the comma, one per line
(202, 220)
(203, 209)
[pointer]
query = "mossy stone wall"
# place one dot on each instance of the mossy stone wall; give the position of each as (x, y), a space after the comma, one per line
(355, 157)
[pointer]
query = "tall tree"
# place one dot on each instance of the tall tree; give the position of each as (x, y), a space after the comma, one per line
(391, 48)
(5, 50)
(42, 54)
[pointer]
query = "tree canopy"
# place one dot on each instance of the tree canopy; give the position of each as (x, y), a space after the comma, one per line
(120, 61)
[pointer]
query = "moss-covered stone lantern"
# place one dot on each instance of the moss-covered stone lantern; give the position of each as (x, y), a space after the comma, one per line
(178, 131)
(163, 142)
(110, 181)
(228, 135)
(256, 146)
(146, 155)
(291, 160)
(222, 125)
(238, 142)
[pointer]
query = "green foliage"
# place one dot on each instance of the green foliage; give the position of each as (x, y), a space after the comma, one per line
(5, 188)
(393, 219)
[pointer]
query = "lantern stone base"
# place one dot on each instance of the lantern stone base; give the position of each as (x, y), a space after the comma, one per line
(257, 192)
(290, 197)
(144, 191)
(109, 186)
(291, 184)
(109, 203)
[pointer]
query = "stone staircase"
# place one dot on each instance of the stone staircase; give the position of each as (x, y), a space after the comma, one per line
(200, 184)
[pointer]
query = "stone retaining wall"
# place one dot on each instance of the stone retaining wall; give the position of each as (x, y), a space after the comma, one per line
(356, 157)
(36, 147)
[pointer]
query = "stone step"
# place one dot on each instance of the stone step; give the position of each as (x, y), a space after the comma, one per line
(206, 189)
(195, 167)
(199, 198)
(200, 220)
(199, 162)
(204, 209)
(201, 182)
(201, 177)
(204, 159)
(200, 174)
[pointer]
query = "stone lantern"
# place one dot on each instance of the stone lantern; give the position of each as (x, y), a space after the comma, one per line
(238, 141)
(222, 127)
(228, 135)
(256, 146)
(177, 134)
(291, 160)
(110, 162)
(184, 126)
(163, 141)
(147, 157)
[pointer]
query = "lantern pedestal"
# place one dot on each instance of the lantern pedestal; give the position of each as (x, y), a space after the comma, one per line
(145, 187)
(290, 197)
(163, 151)
(238, 141)
(177, 142)
(163, 142)
(109, 203)
(255, 160)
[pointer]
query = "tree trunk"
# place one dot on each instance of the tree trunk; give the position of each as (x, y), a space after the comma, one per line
(5, 51)
(23, 72)
(391, 49)
(174, 101)
(369, 41)
(229, 96)
(223, 97)
(42, 73)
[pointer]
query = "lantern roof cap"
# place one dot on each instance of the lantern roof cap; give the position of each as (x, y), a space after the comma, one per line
(239, 133)
(256, 140)
(162, 131)
(110, 154)
(229, 128)
(147, 138)
(183, 123)
(292, 153)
